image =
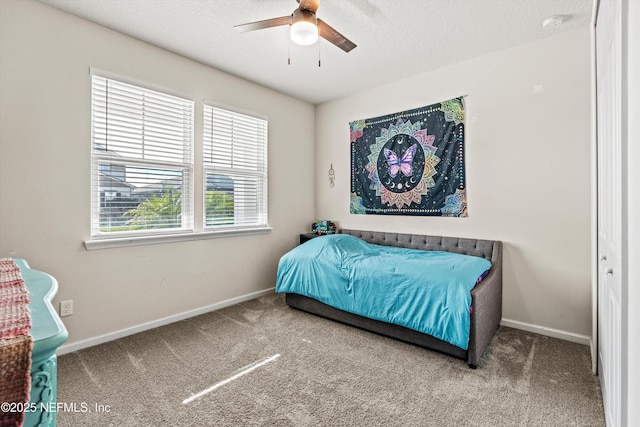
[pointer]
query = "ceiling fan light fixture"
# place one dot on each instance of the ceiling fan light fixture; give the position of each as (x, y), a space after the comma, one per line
(304, 33)
(304, 28)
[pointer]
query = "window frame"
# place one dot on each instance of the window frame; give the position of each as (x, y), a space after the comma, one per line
(196, 229)
(241, 171)
(148, 165)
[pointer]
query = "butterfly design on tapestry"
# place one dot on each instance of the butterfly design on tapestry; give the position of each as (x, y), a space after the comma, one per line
(404, 165)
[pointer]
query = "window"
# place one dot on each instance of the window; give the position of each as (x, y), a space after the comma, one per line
(143, 168)
(235, 170)
(142, 160)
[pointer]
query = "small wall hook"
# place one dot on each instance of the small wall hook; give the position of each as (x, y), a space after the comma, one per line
(332, 177)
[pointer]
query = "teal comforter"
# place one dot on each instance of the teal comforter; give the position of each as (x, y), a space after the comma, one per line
(428, 291)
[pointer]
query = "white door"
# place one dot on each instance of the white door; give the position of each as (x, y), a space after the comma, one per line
(608, 81)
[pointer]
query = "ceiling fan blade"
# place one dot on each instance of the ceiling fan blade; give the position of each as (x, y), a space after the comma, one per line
(329, 33)
(310, 5)
(267, 23)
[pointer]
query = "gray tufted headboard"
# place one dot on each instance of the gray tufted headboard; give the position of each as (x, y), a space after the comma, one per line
(488, 249)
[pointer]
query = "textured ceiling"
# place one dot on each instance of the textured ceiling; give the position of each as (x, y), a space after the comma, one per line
(395, 39)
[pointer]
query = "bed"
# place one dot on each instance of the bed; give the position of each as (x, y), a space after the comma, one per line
(334, 282)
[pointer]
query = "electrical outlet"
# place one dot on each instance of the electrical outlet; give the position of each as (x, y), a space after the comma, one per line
(66, 308)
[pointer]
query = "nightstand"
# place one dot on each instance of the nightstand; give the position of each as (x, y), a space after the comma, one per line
(308, 236)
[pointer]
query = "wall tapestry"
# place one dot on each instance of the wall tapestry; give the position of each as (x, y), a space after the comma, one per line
(410, 163)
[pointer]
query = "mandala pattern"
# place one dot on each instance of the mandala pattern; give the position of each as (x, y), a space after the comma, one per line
(453, 110)
(455, 204)
(410, 163)
(356, 129)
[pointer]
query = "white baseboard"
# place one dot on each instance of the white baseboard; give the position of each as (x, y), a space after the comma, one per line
(550, 332)
(90, 342)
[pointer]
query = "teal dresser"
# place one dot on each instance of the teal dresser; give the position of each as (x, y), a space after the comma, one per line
(48, 334)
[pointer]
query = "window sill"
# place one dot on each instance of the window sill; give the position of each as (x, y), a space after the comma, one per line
(169, 238)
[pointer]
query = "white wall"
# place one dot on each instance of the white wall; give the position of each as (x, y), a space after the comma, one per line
(527, 164)
(45, 57)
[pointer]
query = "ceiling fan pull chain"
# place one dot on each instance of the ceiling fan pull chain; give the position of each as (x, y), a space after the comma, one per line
(318, 53)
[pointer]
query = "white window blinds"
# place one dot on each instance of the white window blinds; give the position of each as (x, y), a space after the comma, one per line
(235, 169)
(142, 159)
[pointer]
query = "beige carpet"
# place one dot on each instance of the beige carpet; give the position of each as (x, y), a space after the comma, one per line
(263, 363)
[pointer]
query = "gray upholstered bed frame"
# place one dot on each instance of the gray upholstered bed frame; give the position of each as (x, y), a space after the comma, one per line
(486, 297)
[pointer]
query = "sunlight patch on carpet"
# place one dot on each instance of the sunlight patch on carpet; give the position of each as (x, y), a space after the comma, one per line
(244, 371)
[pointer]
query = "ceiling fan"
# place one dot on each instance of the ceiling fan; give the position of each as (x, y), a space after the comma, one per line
(305, 26)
